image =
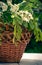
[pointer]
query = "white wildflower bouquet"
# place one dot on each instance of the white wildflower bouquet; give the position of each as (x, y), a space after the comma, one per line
(18, 15)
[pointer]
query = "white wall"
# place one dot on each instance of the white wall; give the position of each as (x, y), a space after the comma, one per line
(35, 56)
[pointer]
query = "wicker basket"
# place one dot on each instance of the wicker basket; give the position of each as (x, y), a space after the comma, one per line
(8, 51)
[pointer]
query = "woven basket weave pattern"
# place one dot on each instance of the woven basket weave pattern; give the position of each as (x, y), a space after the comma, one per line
(8, 51)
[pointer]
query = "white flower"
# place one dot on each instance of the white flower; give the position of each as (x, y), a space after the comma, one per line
(9, 3)
(26, 16)
(25, 19)
(30, 16)
(4, 6)
(14, 8)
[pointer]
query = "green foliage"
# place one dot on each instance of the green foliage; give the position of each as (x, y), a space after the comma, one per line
(25, 24)
(17, 32)
(17, 21)
(16, 1)
(38, 34)
(6, 16)
(31, 25)
(31, 6)
(13, 1)
(4, 1)
(37, 2)
(40, 18)
(36, 30)
(25, 6)
(34, 47)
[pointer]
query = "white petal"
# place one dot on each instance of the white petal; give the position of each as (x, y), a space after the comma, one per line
(4, 6)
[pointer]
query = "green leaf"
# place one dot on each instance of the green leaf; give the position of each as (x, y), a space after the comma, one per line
(23, 5)
(40, 36)
(18, 20)
(31, 25)
(34, 1)
(26, 6)
(17, 32)
(30, 4)
(6, 16)
(25, 24)
(40, 17)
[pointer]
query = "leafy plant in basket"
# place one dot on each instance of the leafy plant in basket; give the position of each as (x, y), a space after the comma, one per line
(17, 23)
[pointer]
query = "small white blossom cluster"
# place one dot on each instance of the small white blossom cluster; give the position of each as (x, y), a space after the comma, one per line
(3, 6)
(26, 16)
(14, 8)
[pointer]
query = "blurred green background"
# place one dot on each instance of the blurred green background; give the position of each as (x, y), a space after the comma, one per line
(33, 46)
